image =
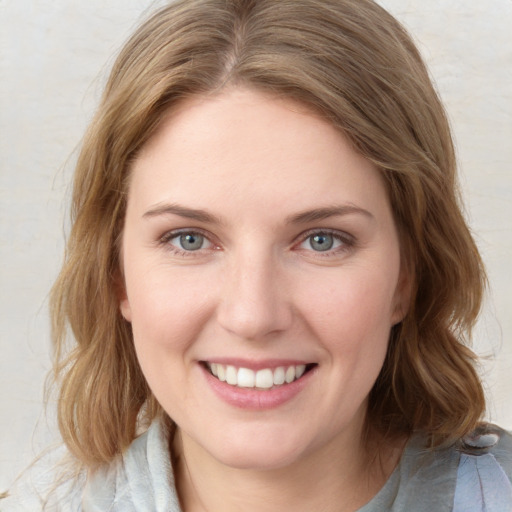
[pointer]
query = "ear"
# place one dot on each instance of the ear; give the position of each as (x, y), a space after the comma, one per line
(124, 307)
(122, 297)
(403, 294)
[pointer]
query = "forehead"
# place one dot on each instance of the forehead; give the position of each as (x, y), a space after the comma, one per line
(255, 149)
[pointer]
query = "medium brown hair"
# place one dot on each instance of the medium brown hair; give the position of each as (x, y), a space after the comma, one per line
(352, 63)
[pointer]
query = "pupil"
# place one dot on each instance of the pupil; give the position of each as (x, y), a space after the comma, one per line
(322, 242)
(191, 242)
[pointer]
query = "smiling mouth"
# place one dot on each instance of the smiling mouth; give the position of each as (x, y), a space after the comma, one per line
(263, 379)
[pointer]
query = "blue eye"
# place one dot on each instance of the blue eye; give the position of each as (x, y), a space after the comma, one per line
(321, 241)
(324, 241)
(189, 241)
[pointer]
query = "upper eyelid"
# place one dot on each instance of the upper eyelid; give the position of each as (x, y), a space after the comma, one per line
(343, 235)
(165, 239)
(173, 233)
(347, 243)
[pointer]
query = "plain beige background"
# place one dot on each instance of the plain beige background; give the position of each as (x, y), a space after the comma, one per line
(54, 57)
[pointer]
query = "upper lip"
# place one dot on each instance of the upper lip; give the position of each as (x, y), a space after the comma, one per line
(253, 364)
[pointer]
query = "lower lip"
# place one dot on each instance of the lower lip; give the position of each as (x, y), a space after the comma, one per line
(255, 399)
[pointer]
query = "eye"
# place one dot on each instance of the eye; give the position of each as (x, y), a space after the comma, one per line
(186, 241)
(321, 241)
(325, 241)
(190, 241)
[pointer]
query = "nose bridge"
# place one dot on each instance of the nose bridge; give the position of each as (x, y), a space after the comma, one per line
(254, 302)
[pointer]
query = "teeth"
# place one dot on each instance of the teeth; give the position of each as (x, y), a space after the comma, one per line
(299, 371)
(246, 378)
(231, 375)
(264, 379)
(279, 376)
(261, 379)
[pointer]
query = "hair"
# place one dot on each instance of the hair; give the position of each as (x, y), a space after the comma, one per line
(353, 64)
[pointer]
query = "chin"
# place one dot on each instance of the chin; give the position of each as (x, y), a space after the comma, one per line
(260, 452)
(257, 460)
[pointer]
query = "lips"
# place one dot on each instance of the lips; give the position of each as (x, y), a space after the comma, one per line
(262, 379)
(257, 385)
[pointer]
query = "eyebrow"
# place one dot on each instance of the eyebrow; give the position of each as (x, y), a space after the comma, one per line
(183, 211)
(324, 213)
(298, 218)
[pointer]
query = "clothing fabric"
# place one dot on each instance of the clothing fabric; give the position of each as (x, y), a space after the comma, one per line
(473, 477)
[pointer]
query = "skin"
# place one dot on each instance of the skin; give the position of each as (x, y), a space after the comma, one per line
(258, 290)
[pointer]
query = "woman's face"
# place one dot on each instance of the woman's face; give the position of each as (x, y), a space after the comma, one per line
(262, 272)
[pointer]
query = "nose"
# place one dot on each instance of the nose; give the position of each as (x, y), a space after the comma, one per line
(254, 302)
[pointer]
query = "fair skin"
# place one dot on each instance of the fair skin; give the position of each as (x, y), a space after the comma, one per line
(255, 237)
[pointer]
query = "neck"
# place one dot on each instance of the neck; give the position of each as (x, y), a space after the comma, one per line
(339, 477)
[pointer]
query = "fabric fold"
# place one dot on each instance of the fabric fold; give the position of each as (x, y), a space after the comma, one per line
(141, 480)
(482, 485)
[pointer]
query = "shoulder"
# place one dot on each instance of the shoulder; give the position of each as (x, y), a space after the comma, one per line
(139, 480)
(50, 483)
(484, 475)
(473, 475)
(489, 439)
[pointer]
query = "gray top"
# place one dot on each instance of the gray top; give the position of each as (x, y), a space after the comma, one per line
(474, 478)
(423, 481)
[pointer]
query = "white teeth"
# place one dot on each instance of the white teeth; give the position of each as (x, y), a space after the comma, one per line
(265, 378)
(279, 376)
(290, 374)
(245, 378)
(231, 375)
(221, 373)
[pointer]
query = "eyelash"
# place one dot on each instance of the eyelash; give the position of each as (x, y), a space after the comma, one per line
(167, 237)
(347, 241)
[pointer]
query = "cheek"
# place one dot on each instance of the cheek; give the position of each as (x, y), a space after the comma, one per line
(351, 311)
(167, 317)
(166, 309)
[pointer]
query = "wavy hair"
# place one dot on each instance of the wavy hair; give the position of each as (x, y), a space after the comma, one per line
(354, 65)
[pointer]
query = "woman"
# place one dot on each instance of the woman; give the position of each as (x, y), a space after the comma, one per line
(269, 276)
